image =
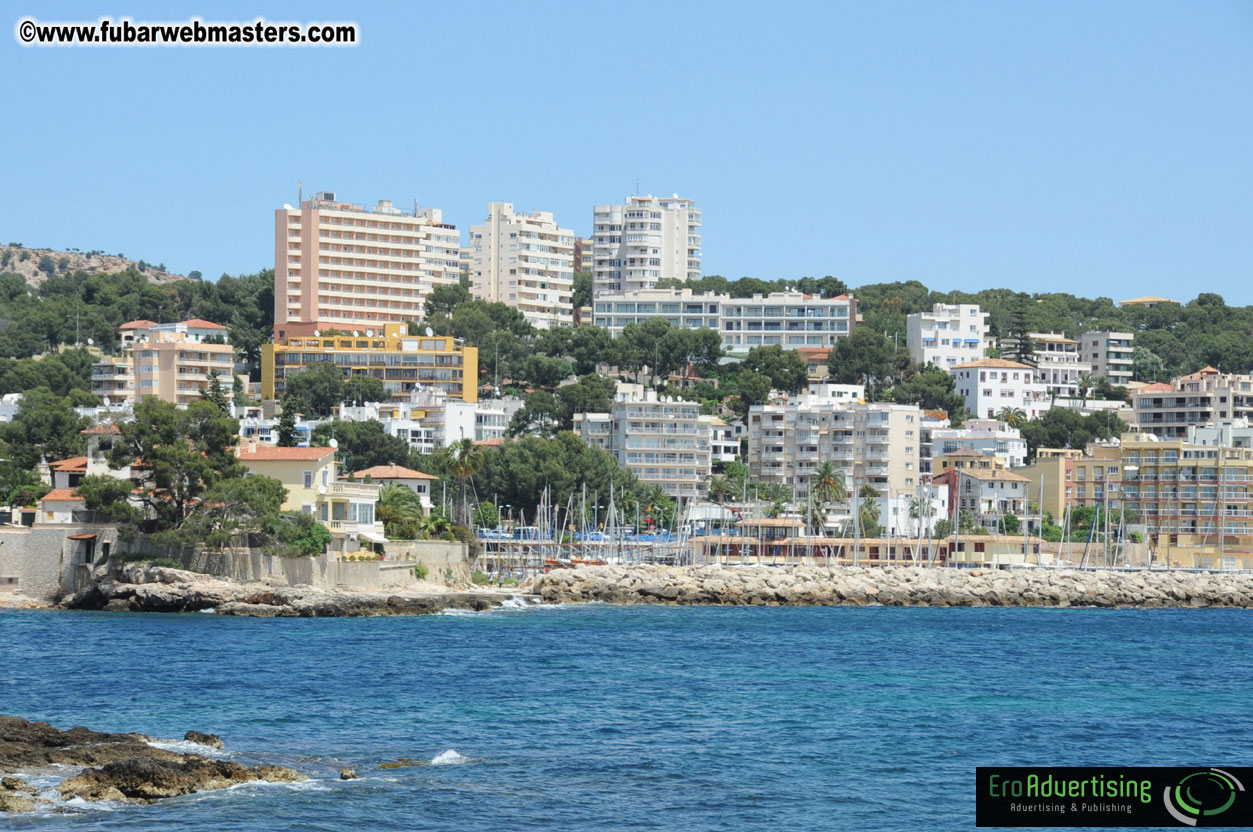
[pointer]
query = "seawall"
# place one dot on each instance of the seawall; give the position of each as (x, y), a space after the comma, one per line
(892, 586)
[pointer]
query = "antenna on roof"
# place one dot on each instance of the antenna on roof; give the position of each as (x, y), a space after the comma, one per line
(300, 192)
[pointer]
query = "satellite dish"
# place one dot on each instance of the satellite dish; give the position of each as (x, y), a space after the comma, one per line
(334, 443)
(356, 333)
(369, 333)
(90, 342)
(106, 401)
(429, 332)
(317, 333)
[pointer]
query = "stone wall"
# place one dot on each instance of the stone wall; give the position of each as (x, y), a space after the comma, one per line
(42, 562)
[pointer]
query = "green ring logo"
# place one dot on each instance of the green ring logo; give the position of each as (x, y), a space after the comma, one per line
(1201, 795)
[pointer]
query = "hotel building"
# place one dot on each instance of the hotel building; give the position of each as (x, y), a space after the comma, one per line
(525, 261)
(1168, 410)
(643, 241)
(339, 264)
(404, 363)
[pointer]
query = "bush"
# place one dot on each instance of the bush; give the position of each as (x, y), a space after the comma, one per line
(420, 571)
(480, 578)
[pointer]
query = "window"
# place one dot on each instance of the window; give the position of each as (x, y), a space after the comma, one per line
(326, 476)
(308, 479)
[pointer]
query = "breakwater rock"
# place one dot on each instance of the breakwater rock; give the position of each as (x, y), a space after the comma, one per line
(121, 767)
(138, 587)
(891, 586)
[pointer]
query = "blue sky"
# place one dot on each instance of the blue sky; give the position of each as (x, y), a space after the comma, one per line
(1099, 148)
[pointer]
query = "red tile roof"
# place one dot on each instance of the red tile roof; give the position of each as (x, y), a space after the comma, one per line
(75, 464)
(63, 495)
(393, 472)
(103, 429)
(140, 324)
(489, 443)
(271, 453)
(200, 323)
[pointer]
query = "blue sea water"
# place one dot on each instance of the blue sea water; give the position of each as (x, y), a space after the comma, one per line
(687, 718)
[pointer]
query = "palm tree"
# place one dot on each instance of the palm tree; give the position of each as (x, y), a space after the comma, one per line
(868, 511)
(827, 483)
(436, 527)
(720, 489)
(464, 460)
(917, 508)
(1086, 384)
(400, 511)
(1012, 416)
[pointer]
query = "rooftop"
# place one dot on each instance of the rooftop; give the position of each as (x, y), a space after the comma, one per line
(62, 495)
(271, 453)
(392, 472)
(200, 323)
(73, 465)
(140, 324)
(993, 364)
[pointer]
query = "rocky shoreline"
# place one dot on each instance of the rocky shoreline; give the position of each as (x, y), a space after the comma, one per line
(145, 588)
(891, 586)
(125, 768)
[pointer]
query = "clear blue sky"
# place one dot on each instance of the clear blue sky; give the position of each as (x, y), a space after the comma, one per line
(1099, 148)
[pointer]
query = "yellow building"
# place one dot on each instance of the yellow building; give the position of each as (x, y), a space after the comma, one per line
(403, 362)
(346, 508)
(1050, 481)
(967, 459)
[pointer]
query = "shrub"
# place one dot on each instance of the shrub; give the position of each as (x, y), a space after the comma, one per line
(420, 571)
(480, 578)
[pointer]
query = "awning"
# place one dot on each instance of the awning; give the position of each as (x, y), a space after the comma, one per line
(84, 536)
(372, 537)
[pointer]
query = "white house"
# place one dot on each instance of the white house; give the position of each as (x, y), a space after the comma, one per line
(416, 481)
(990, 385)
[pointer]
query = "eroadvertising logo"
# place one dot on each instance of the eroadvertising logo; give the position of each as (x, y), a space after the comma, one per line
(1113, 796)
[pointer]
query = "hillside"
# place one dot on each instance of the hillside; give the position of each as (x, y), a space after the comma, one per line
(35, 265)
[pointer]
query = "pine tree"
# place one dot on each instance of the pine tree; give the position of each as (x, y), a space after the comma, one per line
(214, 393)
(1019, 345)
(287, 428)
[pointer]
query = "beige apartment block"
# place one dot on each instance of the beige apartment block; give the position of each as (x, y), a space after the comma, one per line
(340, 264)
(663, 441)
(171, 362)
(873, 444)
(525, 261)
(1206, 396)
(1110, 354)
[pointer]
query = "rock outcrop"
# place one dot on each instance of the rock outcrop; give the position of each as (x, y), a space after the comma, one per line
(892, 586)
(121, 767)
(136, 587)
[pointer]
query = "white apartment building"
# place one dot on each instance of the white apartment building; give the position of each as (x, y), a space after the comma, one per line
(873, 444)
(788, 319)
(525, 261)
(1110, 354)
(990, 385)
(1058, 366)
(342, 265)
(948, 335)
(427, 421)
(643, 241)
(988, 437)
(663, 441)
(492, 417)
(724, 444)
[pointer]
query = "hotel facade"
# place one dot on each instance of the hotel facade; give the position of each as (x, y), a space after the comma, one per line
(644, 240)
(339, 264)
(525, 261)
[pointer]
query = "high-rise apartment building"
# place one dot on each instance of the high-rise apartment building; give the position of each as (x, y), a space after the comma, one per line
(341, 265)
(1109, 354)
(948, 335)
(584, 254)
(525, 261)
(643, 241)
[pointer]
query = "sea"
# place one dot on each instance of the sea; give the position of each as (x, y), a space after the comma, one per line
(633, 718)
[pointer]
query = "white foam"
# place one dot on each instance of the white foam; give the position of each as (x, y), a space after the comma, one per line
(189, 747)
(208, 610)
(449, 758)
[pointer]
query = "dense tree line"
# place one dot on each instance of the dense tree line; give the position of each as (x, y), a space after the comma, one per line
(74, 307)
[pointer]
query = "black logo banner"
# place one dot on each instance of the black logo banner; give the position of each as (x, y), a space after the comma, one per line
(1114, 796)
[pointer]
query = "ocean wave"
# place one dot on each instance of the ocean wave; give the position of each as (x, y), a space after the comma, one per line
(449, 758)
